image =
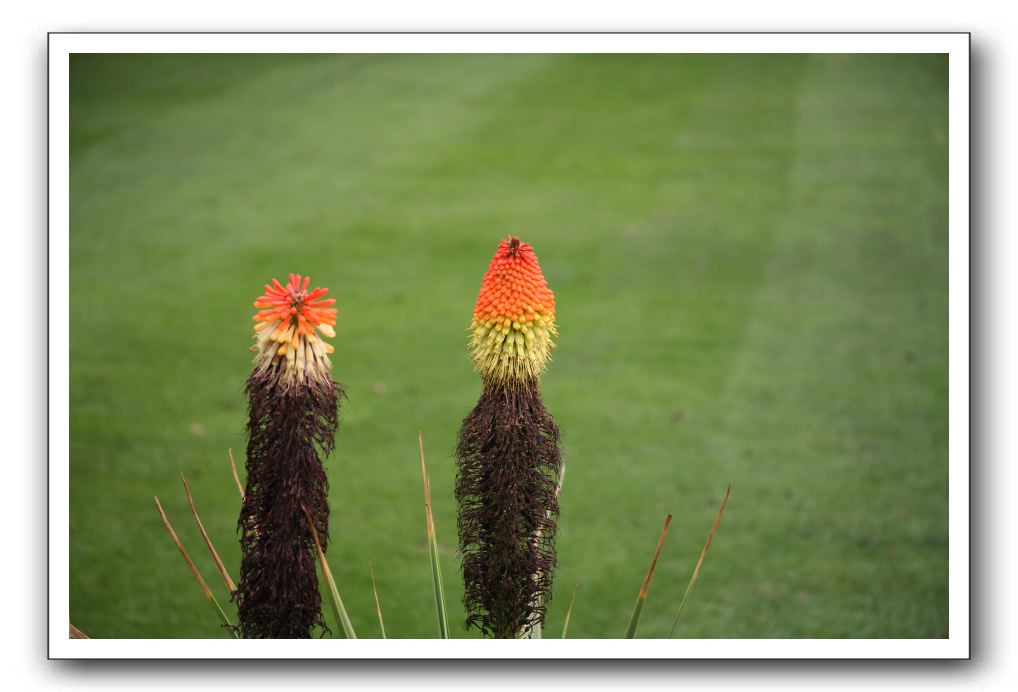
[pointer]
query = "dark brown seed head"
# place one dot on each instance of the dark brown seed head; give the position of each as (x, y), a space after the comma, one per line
(508, 466)
(290, 431)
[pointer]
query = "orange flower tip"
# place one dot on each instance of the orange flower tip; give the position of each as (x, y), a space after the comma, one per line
(285, 327)
(514, 316)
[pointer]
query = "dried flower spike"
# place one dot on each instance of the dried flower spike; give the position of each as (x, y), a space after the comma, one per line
(292, 418)
(508, 451)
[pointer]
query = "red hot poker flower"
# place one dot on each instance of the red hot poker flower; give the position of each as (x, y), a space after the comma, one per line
(292, 418)
(508, 453)
(288, 325)
(514, 316)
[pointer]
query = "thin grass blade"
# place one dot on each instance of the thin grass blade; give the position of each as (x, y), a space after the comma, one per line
(230, 586)
(436, 568)
(338, 609)
(634, 619)
(569, 610)
(703, 554)
(378, 605)
(78, 634)
(236, 478)
(197, 575)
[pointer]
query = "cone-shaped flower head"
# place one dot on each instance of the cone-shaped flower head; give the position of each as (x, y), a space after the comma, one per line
(514, 317)
(508, 454)
(287, 330)
(292, 418)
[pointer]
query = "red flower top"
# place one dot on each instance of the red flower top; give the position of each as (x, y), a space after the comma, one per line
(286, 325)
(514, 286)
(294, 304)
(514, 316)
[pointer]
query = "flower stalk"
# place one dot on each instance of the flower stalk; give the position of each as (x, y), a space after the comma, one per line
(508, 451)
(292, 419)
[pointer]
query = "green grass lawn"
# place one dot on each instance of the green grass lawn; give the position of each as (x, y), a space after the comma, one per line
(749, 255)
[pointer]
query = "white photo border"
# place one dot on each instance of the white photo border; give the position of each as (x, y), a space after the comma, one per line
(955, 45)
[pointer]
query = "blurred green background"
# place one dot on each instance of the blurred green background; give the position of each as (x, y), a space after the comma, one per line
(749, 255)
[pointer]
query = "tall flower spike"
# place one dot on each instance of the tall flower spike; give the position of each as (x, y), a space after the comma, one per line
(508, 452)
(292, 418)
